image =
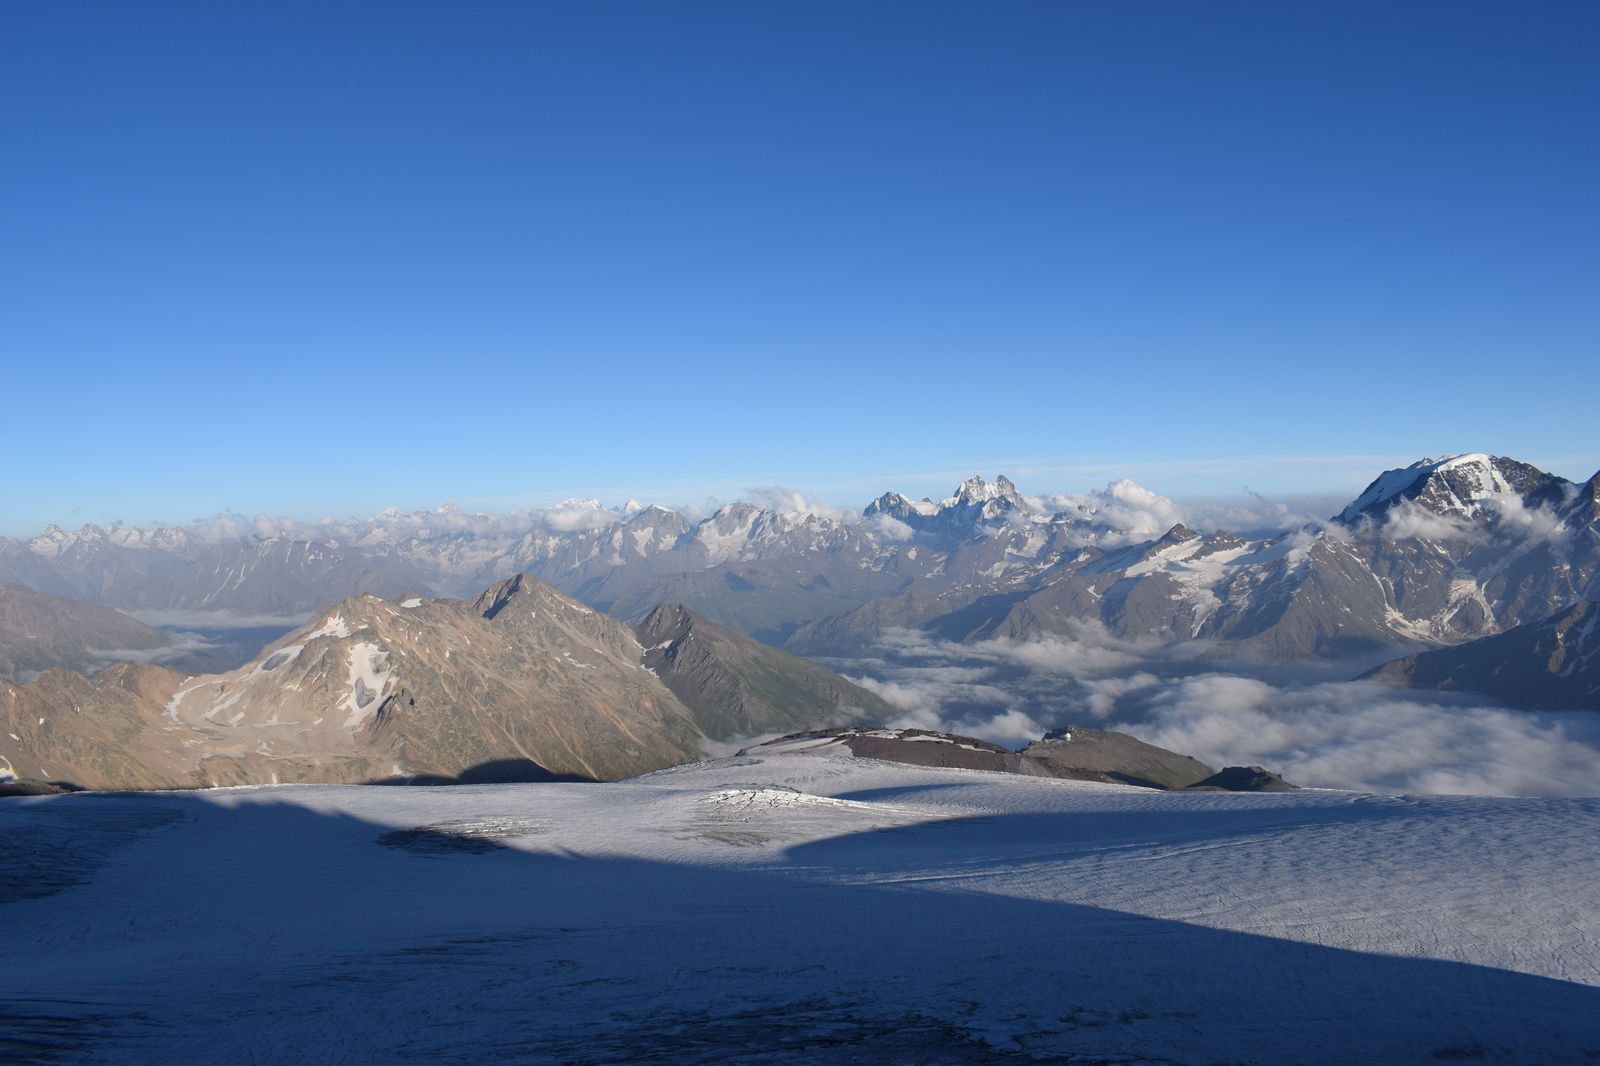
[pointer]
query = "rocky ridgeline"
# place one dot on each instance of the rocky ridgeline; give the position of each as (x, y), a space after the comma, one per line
(1072, 753)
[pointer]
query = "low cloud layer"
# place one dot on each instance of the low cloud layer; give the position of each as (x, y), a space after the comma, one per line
(1372, 737)
(1334, 734)
(1125, 512)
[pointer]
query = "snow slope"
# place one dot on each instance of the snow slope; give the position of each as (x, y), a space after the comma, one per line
(798, 908)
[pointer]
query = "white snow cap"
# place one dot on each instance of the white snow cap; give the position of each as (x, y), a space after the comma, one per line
(977, 490)
(1391, 483)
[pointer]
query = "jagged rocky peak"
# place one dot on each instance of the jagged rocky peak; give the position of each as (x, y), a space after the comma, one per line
(1456, 486)
(656, 520)
(1178, 534)
(975, 501)
(737, 686)
(52, 541)
(494, 599)
(888, 503)
(897, 506)
(523, 590)
(975, 490)
(729, 517)
(652, 514)
(667, 623)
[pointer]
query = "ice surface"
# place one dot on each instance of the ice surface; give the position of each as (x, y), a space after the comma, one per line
(799, 908)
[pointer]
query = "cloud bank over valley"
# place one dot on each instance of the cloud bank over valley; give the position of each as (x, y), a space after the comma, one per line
(1316, 731)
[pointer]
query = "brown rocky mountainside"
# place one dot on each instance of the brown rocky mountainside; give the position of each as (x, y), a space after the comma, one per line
(38, 633)
(521, 682)
(101, 732)
(737, 686)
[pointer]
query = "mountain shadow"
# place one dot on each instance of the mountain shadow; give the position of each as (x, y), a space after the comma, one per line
(493, 772)
(205, 927)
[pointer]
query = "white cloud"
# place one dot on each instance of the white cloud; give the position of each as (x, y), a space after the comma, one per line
(1060, 655)
(888, 527)
(1408, 519)
(1105, 692)
(1125, 512)
(928, 691)
(1336, 734)
(572, 518)
(785, 500)
(1516, 517)
(219, 619)
(182, 644)
(1373, 738)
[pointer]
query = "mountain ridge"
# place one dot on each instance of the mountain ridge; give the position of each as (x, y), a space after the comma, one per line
(434, 689)
(1432, 554)
(1552, 664)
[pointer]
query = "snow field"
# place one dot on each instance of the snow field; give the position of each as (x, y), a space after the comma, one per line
(801, 908)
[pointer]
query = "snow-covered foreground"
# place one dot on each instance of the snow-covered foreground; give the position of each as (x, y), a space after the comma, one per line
(798, 908)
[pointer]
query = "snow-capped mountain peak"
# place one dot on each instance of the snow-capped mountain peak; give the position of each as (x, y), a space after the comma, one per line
(1456, 486)
(975, 490)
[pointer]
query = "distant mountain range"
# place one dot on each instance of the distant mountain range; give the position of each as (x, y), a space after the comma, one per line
(1437, 553)
(1429, 556)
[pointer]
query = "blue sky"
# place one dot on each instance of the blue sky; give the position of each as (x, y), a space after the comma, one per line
(314, 259)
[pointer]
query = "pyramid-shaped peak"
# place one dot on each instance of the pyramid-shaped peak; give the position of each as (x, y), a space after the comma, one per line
(1178, 534)
(653, 515)
(494, 599)
(669, 621)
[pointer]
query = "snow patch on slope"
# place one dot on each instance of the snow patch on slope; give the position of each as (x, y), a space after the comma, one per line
(369, 681)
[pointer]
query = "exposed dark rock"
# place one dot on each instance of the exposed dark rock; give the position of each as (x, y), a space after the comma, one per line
(1093, 754)
(1241, 779)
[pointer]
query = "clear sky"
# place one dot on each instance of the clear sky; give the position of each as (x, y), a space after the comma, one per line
(319, 258)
